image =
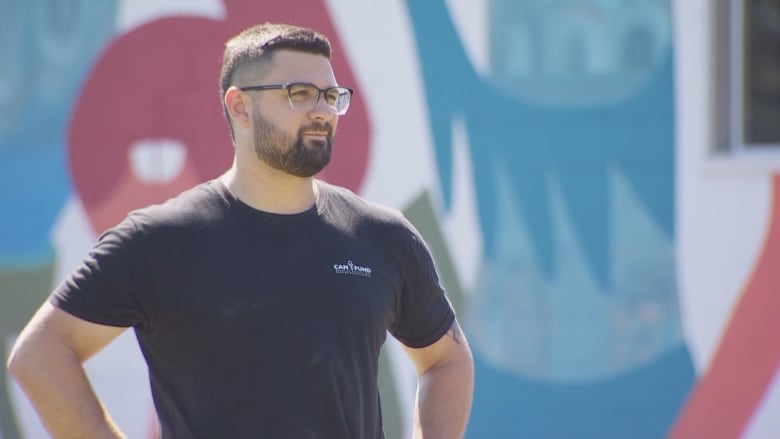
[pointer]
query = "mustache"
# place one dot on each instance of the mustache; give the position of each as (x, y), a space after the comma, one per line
(328, 128)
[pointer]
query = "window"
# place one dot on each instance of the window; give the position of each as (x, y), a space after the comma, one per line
(747, 76)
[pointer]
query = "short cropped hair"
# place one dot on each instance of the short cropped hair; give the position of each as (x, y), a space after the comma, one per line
(258, 44)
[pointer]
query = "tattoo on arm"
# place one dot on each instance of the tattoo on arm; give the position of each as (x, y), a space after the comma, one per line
(455, 332)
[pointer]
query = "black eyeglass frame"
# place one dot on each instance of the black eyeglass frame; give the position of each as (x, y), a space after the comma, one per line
(288, 86)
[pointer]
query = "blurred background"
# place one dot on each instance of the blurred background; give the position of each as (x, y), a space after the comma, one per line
(598, 180)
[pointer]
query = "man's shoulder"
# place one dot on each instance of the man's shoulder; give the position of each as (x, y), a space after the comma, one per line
(201, 203)
(358, 207)
(369, 218)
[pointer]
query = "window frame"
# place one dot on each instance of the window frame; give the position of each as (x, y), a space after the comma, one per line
(729, 84)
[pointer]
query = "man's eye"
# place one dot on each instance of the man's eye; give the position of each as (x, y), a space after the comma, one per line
(302, 92)
(333, 97)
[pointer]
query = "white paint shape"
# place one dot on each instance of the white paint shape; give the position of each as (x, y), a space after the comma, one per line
(722, 207)
(401, 163)
(722, 218)
(134, 13)
(157, 161)
(461, 225)
(471, 21)
(72, 236)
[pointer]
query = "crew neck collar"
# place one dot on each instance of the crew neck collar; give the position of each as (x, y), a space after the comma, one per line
(316, 208)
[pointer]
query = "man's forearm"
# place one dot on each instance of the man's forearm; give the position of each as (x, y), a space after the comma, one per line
(444, 400)
(55, 382)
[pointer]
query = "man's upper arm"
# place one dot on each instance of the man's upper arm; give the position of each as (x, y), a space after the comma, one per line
(452, 346)
(53, 326)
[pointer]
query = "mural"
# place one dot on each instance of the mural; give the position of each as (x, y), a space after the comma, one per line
(170, 134)
(51, 45)
(533, 142)
(575, 312)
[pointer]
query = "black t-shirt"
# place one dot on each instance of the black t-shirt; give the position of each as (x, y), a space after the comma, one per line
(263, 325)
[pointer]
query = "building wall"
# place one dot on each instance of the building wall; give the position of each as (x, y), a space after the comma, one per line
(726, 212)
(613, 276)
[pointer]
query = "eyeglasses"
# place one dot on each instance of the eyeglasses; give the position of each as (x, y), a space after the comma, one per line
(304, 97)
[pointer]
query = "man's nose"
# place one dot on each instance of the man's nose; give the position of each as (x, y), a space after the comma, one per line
(322, 110)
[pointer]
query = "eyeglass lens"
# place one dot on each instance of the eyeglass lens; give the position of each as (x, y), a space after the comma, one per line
(305, 96)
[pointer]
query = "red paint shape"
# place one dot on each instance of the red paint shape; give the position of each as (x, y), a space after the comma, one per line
(160, 81)
(726, 397)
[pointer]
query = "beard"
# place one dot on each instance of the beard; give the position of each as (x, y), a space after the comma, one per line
(291, 154)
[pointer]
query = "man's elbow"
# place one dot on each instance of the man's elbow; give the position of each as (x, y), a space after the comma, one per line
(11, 365)
(31, 356)
(19, 361)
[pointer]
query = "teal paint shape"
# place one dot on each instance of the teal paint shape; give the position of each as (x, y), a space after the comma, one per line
(50, 46)
(571, 137)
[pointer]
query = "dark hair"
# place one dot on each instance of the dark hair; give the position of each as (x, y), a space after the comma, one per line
(258, 44)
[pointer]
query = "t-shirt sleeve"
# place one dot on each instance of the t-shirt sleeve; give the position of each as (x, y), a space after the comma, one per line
(112, 285)
(424, 313)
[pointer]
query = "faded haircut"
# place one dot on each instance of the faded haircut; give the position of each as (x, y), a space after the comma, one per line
(257, 45)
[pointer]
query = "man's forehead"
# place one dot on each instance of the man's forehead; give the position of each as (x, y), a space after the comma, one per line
(290, 66)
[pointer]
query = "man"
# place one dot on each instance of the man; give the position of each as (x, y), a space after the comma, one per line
(260, 299)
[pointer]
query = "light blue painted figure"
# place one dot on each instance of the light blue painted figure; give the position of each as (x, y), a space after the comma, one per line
(574, 321)
(48, 47)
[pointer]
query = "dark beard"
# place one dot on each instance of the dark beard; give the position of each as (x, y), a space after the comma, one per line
(292, 156)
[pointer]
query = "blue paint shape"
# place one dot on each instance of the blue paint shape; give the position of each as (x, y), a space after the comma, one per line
(52, 45)
(575, 318)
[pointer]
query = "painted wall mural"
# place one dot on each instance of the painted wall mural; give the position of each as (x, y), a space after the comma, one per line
(535, 143)
(48, 49)
(575, 312)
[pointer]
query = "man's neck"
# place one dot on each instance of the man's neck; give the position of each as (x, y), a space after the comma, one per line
(271, 190)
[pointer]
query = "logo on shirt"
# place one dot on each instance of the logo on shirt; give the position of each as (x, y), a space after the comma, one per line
(352, 268)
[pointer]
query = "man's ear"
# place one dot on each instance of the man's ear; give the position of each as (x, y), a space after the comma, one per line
(237, 106)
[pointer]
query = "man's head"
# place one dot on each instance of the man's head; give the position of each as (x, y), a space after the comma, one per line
(257, 45)
(290, 133)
